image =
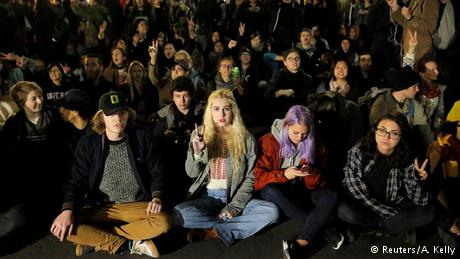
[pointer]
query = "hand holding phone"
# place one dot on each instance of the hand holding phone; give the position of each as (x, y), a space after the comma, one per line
(293, 172)
(305, 169)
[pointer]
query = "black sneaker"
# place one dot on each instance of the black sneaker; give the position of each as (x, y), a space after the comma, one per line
(292, 250)
(447, 238)
(352, 234)
(410, 237)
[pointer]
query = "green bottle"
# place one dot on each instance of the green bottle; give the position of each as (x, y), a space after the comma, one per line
(235, 73)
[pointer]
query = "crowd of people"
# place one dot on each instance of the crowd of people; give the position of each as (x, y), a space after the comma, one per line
(124, 119)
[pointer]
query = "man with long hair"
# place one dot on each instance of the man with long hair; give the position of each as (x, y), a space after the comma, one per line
(117, 172)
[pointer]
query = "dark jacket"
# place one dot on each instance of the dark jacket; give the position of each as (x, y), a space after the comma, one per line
(300, 82)
(88, 167)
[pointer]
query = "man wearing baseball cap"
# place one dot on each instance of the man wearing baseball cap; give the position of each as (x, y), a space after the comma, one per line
(118, 174)
(405, 85)
(76, 108)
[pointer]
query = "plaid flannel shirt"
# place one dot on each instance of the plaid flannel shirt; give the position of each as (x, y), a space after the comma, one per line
(355, 171)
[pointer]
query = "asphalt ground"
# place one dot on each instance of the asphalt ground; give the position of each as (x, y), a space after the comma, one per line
(266, 244)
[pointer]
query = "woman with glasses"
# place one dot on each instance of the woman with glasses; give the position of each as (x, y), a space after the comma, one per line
(290, 86)
(384, 182)
(227, 78)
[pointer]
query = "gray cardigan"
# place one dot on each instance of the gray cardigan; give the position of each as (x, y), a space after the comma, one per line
(240, 185)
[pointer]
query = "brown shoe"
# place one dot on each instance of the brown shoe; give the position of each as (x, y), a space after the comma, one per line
(81, 250)
(200, 234)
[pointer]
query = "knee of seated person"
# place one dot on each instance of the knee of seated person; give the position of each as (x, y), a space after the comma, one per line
(162, 219)
(329, 196)
(431, 211)
(390, 227)
(176, 218)
(269, 191)
(346, 213)
(271, 212)
(269, 57)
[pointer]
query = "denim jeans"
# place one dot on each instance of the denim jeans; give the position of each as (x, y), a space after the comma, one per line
(410, 216)
(269, 59)
(202, 213)
(292, 200)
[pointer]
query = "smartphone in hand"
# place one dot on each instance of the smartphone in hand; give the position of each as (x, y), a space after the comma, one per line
(305, 168)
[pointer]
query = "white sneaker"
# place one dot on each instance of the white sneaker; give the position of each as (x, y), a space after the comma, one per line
(339, 242)
(145, 247)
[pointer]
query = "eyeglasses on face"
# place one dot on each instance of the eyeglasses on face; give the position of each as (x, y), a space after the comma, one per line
(382, 132)
(293, 59)
(226, 65)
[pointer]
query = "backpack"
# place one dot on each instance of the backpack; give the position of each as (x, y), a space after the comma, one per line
(444, 35)
(366, 101)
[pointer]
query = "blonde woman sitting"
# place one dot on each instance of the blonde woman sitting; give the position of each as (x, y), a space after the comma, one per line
(221, 157)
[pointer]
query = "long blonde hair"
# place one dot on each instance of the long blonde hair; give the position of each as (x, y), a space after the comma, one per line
(237, 132)
(130, 80)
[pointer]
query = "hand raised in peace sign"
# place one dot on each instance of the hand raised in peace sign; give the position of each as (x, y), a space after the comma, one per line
(421, 169)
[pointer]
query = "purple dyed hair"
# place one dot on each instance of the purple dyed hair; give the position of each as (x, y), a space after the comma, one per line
(298, 114)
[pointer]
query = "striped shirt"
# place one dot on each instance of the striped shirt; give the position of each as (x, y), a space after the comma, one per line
(218, 170)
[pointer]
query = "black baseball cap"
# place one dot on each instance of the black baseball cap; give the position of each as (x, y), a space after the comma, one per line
(402, 78)
(113, 102)
(75, 100)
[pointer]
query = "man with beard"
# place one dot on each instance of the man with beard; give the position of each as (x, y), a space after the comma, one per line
(365, 74)
(94, 83)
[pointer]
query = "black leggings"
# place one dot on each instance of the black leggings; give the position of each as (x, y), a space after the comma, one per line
(410, 216)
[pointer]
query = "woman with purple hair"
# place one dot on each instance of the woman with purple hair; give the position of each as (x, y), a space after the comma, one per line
(288, 173)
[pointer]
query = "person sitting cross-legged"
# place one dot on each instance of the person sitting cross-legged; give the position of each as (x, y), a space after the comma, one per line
(385, 184)
(289, 173)
(221, 158)
(117, 172)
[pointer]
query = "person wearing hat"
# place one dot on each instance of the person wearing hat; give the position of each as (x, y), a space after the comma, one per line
(179, 67)
(194, 74)
(76, 108)
(118, 174)
(454, 113)
(404, 84)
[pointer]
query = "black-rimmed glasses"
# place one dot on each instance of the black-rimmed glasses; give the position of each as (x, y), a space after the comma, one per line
(382, 132)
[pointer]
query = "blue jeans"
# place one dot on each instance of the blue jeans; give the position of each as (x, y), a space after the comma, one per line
(269, 59)
(293, 199)
(202, 213)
